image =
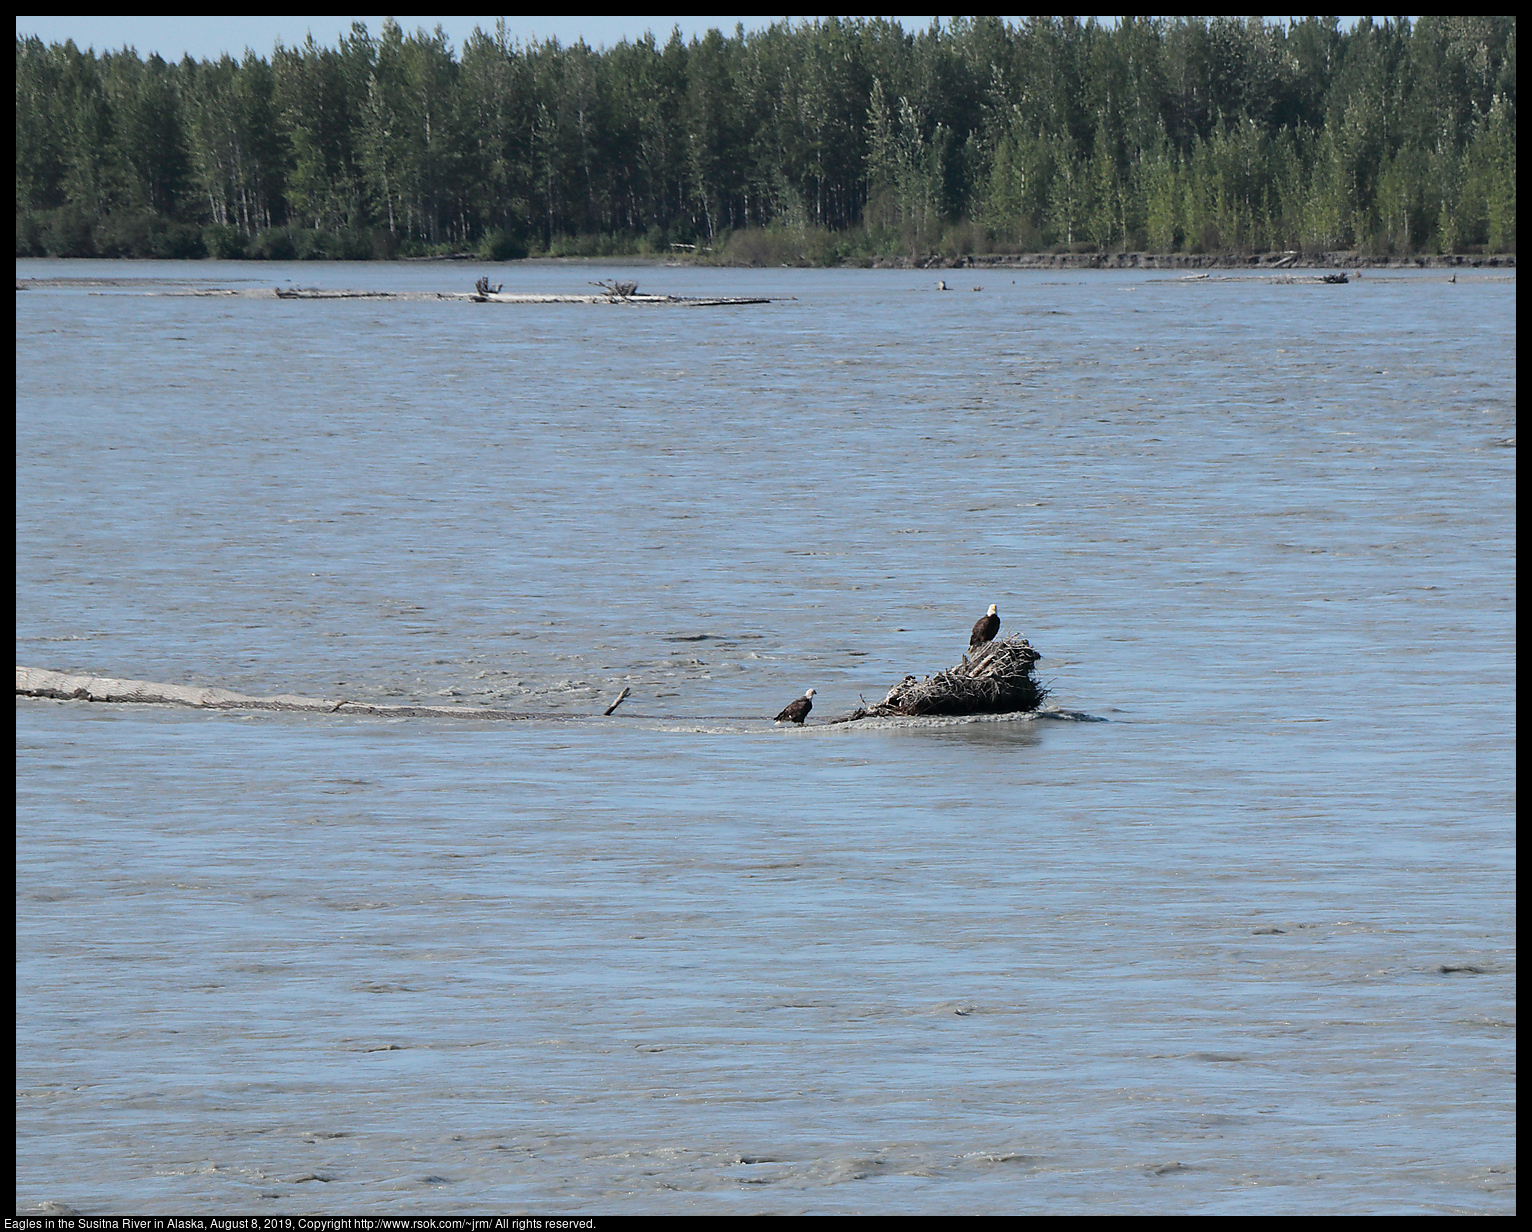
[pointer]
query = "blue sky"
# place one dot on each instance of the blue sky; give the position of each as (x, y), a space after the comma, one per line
(206, 38)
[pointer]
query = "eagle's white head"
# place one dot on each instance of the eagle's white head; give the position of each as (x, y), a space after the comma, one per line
(993, 610)
(810, 693)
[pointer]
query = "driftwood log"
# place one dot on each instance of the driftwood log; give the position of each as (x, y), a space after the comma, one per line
(617, 290)
(995, 678)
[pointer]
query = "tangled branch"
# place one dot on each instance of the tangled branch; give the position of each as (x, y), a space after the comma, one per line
(995, 679)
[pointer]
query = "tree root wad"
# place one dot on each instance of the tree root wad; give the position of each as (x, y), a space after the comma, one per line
(996, 678)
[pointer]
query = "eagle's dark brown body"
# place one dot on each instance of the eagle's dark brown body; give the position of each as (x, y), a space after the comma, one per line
(984, 630)
(797, 711)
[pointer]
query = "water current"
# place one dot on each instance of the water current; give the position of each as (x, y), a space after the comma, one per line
(1228, 927)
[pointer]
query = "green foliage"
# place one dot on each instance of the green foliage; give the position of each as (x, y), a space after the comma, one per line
(272, 244)
(223, 242)
(778, 244)
(64, 232)
(827, 140)
(498, 245)
(142, 233)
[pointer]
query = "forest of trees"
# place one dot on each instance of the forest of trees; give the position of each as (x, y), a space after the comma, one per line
(825, 141)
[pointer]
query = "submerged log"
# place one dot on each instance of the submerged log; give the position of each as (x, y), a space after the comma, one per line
(995, 678)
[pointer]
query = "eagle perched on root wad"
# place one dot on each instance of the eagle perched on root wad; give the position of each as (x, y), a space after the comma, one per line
(985, 628)
(797, 711)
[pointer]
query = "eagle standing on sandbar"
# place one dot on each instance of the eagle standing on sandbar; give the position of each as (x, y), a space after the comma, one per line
(797, 711)
(985, 628)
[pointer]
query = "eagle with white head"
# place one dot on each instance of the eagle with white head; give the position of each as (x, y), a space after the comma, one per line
(985, 628)
(797, 711)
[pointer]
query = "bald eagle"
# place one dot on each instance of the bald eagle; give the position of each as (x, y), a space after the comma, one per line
(985, 628)
(797, 711)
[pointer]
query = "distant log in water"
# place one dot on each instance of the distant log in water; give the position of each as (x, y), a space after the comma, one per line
(995, 679)
(486, 296)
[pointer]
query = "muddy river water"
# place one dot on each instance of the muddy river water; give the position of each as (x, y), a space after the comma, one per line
(1228, 927)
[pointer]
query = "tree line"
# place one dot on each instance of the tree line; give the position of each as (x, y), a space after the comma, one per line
(819, 141)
